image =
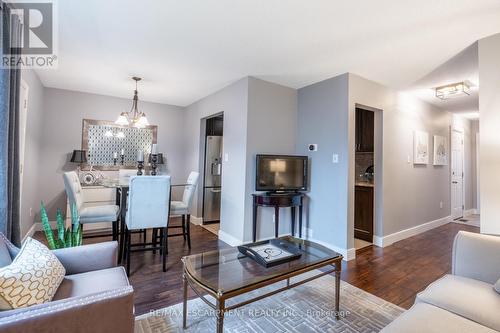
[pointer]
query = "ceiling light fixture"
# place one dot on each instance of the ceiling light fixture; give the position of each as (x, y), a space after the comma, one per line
(134, 116)
(453, 90)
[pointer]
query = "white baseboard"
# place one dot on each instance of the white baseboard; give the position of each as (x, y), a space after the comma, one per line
(472, 211)
(348, 254)
(196, 220)
(229, 239)
(31, 231)
(400, 235)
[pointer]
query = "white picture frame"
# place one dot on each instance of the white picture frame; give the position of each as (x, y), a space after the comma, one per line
(420, 147)
(440, 150)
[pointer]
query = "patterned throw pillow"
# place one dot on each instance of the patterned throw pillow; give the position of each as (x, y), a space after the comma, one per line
(32, 278)
(497, 286)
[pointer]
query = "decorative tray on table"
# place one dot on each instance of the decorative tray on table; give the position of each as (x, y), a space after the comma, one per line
(271, 252)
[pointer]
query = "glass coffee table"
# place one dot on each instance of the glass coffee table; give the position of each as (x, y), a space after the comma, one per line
(225, 274)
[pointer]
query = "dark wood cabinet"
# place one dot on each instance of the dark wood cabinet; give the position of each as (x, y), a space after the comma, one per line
(363, 213)
(365, 124)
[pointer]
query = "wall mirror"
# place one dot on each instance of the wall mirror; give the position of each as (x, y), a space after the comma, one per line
(103, 140)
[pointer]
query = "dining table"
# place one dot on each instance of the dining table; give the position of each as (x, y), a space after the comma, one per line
(122, 188)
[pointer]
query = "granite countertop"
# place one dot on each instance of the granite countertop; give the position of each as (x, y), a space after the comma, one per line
(364, 183)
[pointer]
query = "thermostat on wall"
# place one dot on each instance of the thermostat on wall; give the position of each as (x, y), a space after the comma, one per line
(312, 147)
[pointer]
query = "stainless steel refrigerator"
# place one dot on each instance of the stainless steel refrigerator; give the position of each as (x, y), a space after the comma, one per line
(212, 179)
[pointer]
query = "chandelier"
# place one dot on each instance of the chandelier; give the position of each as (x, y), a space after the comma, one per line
(133, 117)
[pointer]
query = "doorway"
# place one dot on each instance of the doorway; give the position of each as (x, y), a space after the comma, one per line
(457, 174)
(364, 177)
(212, 173)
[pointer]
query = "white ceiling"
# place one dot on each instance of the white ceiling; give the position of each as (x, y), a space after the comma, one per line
(187, 49)
(462, 67)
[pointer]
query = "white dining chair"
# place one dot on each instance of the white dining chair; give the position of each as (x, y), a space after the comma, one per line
(89, 214)
(147, 210)
(124, 176)
(183, 208)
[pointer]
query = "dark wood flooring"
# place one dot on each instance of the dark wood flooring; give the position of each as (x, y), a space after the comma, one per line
(395, 273)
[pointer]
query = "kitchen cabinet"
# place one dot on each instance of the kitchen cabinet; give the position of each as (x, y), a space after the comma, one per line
(363, 213)
(365, 130)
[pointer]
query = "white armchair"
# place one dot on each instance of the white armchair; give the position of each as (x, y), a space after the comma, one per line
(147, 209)
(463, 301)
(89, 214)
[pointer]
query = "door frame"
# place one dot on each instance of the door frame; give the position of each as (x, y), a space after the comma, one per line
(203, 154)
(462, 132)
(378, 148)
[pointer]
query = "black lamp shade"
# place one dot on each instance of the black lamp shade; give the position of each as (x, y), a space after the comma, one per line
(79, 156)
(159, 158)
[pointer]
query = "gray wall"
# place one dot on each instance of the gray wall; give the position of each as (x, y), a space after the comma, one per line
(62, 132)
(233, 101)
(411, 194)
(489, 120)
(32, 150)
(259, 117)
(271, 129)
(323, 119)
(407, 195)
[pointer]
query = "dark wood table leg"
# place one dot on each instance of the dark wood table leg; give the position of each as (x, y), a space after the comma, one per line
(254, 225)
(338, 268)
(293, 220)
(300, 220)
(276, 220)
(184, 301)
(220, 316)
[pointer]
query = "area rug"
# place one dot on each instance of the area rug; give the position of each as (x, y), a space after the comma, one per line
(306, 308)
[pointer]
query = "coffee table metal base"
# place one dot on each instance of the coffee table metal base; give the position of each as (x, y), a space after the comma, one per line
(220, 298)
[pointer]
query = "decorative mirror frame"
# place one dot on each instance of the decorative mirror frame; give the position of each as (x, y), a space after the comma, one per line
(85, 142)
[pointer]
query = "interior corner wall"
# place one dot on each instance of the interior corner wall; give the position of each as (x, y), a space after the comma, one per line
(323, 120)
(271, 129)
(411, 193)
(233, 101)
(31, 173)
(489, 120)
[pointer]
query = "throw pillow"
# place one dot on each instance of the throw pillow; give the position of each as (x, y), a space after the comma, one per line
(32, 278)
(497, 286)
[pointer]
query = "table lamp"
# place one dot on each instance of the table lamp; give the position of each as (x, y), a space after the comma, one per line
(79, 156)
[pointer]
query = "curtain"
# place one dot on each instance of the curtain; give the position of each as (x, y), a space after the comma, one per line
(9, 130)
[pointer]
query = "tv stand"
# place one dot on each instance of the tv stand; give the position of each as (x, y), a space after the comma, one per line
(278, 200)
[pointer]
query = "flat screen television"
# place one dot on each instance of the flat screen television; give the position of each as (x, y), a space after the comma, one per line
(281, 173)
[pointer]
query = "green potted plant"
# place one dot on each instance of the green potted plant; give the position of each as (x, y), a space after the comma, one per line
(68, 237)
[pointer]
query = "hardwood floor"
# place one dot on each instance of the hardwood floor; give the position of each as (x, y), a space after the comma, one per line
(395, 273)
(398, 272)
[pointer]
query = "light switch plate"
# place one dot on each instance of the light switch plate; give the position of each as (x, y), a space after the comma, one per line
(226, 157)
(335, 158)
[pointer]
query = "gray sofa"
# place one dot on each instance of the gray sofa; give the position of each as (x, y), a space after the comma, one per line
(95, 296)
(464, 301)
